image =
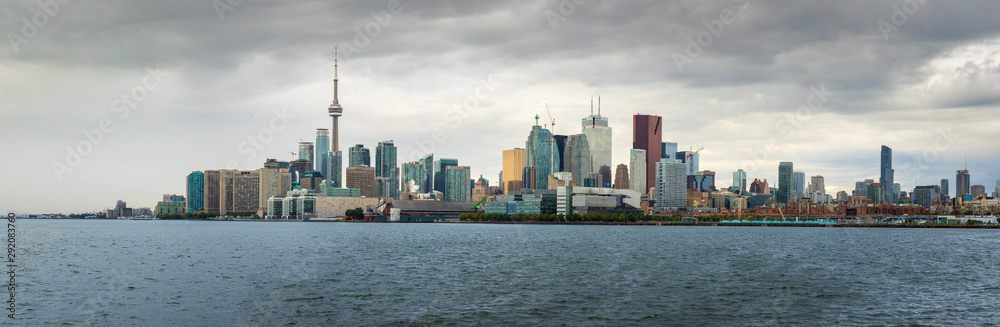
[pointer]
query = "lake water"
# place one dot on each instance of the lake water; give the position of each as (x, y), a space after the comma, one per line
(185, 273)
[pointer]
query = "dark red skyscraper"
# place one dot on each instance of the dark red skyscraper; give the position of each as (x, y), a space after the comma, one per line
(647, 134)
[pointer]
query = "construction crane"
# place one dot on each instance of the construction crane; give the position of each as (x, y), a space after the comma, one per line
(475, 208)
(550, 118)
(690, 157)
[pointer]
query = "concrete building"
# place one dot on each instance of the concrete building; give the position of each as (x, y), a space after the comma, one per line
(595, 200)
(817, 185)
(333, 206)
(513, 166)
(311, 180)
(170, 208)
(978, 191)
(785, 182)
(457, 187)
(362, 178)
(924, 196)
(637, 171)
(740, 181)
(876, 193)
(598, 134)
(759, 186)
(605, 172)
(576, 158)
(335, 110)
(671, 193)
(195, 191)
(621, 177)
(273, 181)
(647, 134)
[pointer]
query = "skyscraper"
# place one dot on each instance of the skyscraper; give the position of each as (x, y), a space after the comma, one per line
(428, 162)
(647, 134)
(671, 191)
(978, 191)
(785, 188)
(576, 158)
(457, 186)
(386, 169)
(668, 150)
(595, 127)
(513, 165)
(817, 185)
(540, 152)
(876, 193)
(886, 175)
(605, 173)
(962, 186)
(440, 166)
(414, 177)
(336, 167)
(322, 152)
(359, 155)
(798, 185)
(740, 180)
(560, 147)
(362, 178)
(306, 153)
(924, 196)
(334, 162)
(195, 191)
(637, 171)
(621, 177)
(944, 187)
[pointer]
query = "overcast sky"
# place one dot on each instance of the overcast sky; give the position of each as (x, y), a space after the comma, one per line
(822, 84)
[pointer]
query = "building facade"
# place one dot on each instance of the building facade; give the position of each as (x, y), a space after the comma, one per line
(671, 193)
(440, 168)
(513, 166)
(457, 186)
(621, 177)
(740, 181)
(785, 188)
(598, 134)
(386, 169)
(637, 171)
(540, 152)
(576, 158)
(962, 185)
(647, 134)
(359, 155)
(195, 191)
(886, 175)
(363, 179)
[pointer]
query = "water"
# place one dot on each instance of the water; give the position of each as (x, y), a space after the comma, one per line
(167, 273)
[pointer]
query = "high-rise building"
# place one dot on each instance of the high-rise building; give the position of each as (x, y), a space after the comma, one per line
(962, 186)
(274, 181)
(598, 133)
(886, 177)
(944, 187)
(298, 168)
(671, 193)
(560, 147)
(978, 191)
(440, 167)
(924, 196)
(817, 185)
(414, 177)
(605, 173)
(798, 185)
(457, 186)
(386, 169)
(647, 134)
(702, 181)
(637, 171)
(306, 153)
(876, 193)
(513, 165)
(428, 162)
(362, 178)
(760, 186)
(195, 191)
(540, 152)
(322, 152)
(690, 161)
(668, 150)
(528, 178)
(785, 188)
(359, 155)
(576, 158)
(336, 168)
(621, 177)
(740, 180)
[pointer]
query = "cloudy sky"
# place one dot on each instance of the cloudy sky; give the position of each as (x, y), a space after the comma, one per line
(109, 100)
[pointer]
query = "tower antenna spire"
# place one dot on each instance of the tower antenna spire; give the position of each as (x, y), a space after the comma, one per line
(598, 105)
(335, 80)
(591, 105)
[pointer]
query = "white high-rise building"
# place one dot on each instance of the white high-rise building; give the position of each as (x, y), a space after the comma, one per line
(637, 171)
(671, 188)
(740, 180)
(595, 127)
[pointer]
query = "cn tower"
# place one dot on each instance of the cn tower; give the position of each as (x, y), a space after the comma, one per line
(335, 109)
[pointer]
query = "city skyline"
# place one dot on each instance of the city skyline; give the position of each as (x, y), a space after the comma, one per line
(926, 90)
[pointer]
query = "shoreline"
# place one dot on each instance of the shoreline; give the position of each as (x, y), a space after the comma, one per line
(654, 223)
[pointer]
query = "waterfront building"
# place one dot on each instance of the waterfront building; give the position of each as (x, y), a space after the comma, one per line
(322, 152)
(598, 133)
(577, 157)
(540, 152)
(274, 181)
(785, 182)
(246, 191)
(306, 153)
(359, 155)
(596, 200)
(962, 186)
(362, 178)
(817, 185)
(386, 170)
(457, 187)
(671, 193)
(440, 167)
(647, 134)
(513, 166)
(170, 208)
(326, 188)
(886, 176)
(621, 177)
(525, 201)
(637, 171)
(740, 181)
(195, 191)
